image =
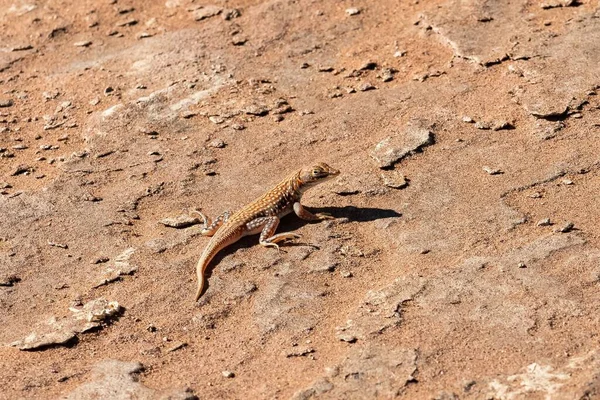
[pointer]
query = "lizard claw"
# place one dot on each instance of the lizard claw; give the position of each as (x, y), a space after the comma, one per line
(268, 244)
(324, 216)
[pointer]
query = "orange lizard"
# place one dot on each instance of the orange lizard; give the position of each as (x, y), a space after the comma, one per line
(262, 216)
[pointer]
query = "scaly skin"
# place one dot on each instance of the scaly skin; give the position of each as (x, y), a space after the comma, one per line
(262, 216)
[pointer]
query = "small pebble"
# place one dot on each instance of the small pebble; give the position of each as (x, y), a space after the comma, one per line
(188, 114)
(493, 171)
(148, 131)
(238, 127)
(215, 119)
(522, 265)
(502, 125)
(84, 43)
(544, 222)
(239, 40)
(21, 169)
(22, 47)
(347, 338)
(567, 182)
(257, 110)
(325, 68)
(366, 86)
(483, 125)
(535, 195)
(6, 103)
(231, 14)
(394, 179)
(176, 346)
(228, 374)
(568, 227)
(127, 22)
(369, 65)
(346, 274)
(387, 75)
(467, 119)
(352, 11)
(217, 144)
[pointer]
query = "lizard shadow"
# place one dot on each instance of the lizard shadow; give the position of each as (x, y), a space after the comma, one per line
(290, 224)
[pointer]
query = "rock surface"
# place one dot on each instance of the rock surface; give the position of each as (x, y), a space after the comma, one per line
(113, 379)
(467, 283)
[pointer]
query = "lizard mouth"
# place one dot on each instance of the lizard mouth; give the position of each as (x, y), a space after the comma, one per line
(334, 172)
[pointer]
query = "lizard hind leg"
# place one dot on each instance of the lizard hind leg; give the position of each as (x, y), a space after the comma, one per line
(208, 228)
(267, 227)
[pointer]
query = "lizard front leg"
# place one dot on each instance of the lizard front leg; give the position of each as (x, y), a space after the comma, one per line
(267, 227)
(208, 228)
(306, 215)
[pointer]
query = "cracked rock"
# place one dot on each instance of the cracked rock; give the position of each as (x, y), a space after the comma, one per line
(121, 267)
(62, 331)
(118, 380)
(372, 371)
(207, 12)
(401, 144)
(558, 3)
(394, 179)
(180, 222)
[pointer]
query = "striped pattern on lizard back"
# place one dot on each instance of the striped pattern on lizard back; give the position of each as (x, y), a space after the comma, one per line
(262, 216)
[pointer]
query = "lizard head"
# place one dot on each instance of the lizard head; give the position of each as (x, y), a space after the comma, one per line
(317, 173)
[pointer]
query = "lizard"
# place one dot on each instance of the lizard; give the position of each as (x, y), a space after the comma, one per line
(262, 216)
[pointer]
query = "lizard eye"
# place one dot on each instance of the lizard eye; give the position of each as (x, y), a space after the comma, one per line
(315, 172)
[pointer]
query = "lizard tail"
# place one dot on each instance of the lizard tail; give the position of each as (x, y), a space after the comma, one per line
(200, 287)
(202, 263)
(219, 241)
(209, 253)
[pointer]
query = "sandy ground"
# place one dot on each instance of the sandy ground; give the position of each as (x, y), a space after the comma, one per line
(464, 258)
